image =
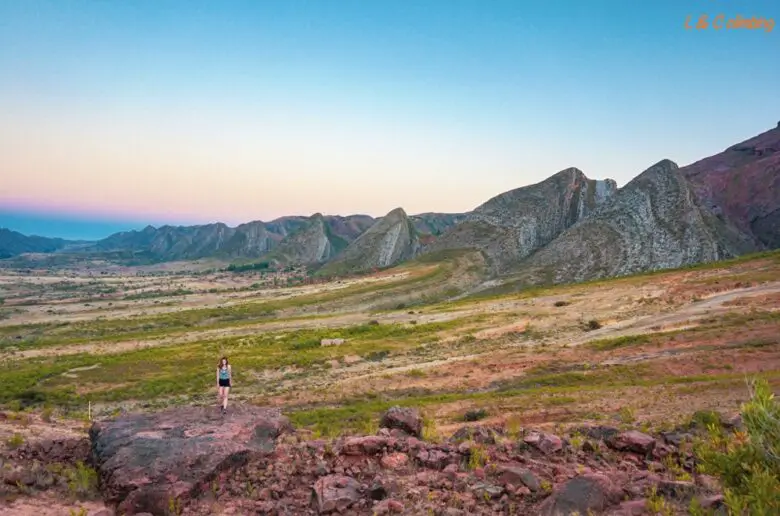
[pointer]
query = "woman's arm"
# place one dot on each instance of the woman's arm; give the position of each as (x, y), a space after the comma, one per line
(218, 376)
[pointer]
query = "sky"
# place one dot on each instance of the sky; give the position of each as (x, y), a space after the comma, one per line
(120, 114)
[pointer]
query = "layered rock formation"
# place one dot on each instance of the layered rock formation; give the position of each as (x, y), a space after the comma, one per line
(511, 226)
(654, 222)
(389, 241)
(312, 244)
(250, 240)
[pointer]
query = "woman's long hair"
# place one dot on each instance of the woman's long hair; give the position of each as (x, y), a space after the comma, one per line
(219, 366)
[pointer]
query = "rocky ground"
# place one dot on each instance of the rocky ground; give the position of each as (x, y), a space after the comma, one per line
(195, 461)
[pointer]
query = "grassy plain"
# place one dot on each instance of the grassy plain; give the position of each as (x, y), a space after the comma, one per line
(648, 349)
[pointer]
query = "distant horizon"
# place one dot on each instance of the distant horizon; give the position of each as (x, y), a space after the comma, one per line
(71, 224)
(119, 115)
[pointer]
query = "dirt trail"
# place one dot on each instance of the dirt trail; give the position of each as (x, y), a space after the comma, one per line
(684, 317)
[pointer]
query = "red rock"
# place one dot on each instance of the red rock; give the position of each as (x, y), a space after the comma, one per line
(517, 475)
(145, 460)
(546, 443)
(395, 460)
(388, 506)
(405, 419)
(433, 458)
(581, 494)
(742, 183)
(369, 445)
(451, 471)
(633, 441)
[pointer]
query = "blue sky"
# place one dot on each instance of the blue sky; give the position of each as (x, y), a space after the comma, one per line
(119, 114)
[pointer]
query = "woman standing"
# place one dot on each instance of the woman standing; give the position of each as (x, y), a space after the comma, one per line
(224, 376)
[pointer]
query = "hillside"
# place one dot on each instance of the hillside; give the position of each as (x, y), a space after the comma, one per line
(511, 226)
(743, 184)
(250, 240)
(390, 241)
(313, 243)
(13, 243)
(653, 222)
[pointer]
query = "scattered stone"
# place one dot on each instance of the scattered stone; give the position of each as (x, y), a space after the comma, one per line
(517, 475)
(395, 460)
(546, 443)
(491, 491)
(478, 434)
(368, 445)
(599, 433)
(331, 342)
(581, 494)
(388, 507)
(335, 493)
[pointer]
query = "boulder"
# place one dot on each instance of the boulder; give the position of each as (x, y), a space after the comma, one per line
(405, 419)
(583, 494)
(633, 441)
(147, 460)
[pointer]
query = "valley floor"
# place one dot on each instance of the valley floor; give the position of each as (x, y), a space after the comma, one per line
(644, 351)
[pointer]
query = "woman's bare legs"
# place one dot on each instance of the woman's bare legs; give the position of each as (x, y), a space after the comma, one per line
(225, 398)
(220, 395)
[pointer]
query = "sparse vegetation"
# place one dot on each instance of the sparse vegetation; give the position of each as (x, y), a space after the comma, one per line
(747, 461)
(520, 358)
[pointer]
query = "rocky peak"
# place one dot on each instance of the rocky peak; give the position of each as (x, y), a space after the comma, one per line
(389, 241)
(653, 222)
(514, 224)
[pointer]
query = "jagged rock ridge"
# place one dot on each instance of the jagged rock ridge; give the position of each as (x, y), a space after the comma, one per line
(250, 240)
(511, 226)
(312, 244)
(389, 241)
(653, 222)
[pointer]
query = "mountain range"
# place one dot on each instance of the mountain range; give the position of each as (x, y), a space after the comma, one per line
(566, 228)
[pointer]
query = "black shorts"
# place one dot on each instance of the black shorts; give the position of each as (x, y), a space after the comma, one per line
(224, 383)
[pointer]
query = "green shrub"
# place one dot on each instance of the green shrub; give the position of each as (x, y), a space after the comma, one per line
(747, 461)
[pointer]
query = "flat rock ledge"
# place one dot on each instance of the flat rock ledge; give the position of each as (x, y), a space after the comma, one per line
(150, 461)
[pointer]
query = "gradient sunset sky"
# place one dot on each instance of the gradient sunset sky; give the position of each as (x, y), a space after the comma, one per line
(117, 114)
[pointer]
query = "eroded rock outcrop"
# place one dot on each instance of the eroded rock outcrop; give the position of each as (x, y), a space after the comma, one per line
(652, 223)
(514, 224)
(391, 240)
(147, 461)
